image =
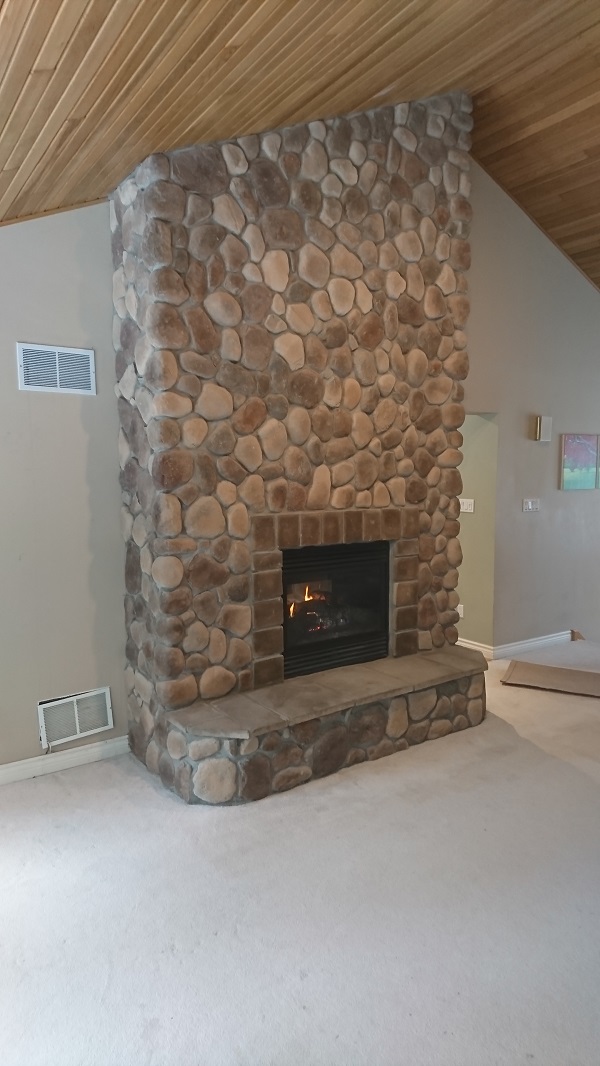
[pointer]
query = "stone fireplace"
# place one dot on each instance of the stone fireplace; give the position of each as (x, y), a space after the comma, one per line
(289, 326)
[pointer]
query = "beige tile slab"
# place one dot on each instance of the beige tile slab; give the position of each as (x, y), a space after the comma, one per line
(361, 683)
(297, 700)
(252, 714)
(464, 660)
(208, 720)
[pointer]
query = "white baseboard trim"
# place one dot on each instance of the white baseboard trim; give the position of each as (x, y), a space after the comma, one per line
(485, 649)
(62, 760)
(507, 651)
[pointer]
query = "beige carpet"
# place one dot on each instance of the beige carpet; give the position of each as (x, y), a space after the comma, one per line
(573, 667)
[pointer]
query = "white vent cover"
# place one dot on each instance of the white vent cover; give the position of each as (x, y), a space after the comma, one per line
(74, 716)
(44, 368)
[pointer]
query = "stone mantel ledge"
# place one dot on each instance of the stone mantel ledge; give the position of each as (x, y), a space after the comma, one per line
(301, 699)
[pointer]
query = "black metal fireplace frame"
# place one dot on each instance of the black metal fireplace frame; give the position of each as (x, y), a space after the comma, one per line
(311, 563)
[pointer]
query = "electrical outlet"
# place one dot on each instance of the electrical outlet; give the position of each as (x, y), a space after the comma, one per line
(460, 611)
(531, 504)
(467, 505)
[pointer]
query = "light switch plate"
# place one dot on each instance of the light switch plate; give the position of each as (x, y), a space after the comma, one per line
(467, 505)
(531, 504)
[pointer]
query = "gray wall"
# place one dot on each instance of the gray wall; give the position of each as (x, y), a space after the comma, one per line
(61, 557)
(534, 335)
(478, 529)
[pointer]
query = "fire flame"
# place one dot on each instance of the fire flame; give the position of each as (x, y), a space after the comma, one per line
(308, 596)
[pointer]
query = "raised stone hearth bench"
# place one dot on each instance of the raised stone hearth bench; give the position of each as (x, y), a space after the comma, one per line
(247, 746)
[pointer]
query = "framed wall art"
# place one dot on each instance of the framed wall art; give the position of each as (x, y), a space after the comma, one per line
(579, 461)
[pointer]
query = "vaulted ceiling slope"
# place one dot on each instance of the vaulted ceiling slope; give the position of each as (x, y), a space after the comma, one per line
(88, 88)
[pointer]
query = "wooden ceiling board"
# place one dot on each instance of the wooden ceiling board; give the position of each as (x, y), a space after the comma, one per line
(88, 88)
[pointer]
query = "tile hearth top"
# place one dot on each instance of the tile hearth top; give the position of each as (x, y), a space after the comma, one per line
(300, 699)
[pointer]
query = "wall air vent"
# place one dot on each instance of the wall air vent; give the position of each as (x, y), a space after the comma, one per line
(44, 368)
(74, 716)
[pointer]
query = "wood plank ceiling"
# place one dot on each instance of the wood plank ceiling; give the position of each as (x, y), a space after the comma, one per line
(88, 88)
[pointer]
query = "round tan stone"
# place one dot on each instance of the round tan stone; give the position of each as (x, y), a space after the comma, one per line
(318, 496)
(217, 646)
(226, 493)
(165, 327)
(176, 744)
(397, 717)
(214, 402)
(223, 308)
(342, 473)
(196, 638)
(343, 498)
(236, 618)
(321, 305)
(351, 393)
(366, 469)
(394, 284)
(252, 491)
(420, 704)
(255, 241)
(439, 728)
(381, 496)
(291, 348)
(231, 346)
(384, 414)
(249, 453)
(397, 490)
(273, 438)
(344, 263)
(341, 292)
(178, 693)
(228, 213)
(193, 432)
(276, 270)
(300, 318)
(235, 160)
(215, 780)
(365, 367)
(298, 425)
(314, 162)
(409, 245)
(161, 370)
(167, 571)
(450, 457)
(437, 390)
(434, 304)
(202, 749)
(170, 405)
(364, 298)
(204, 518)
(332, 395)
(167, 515)
(313, 266)
(238, 521)
(362, 429)
(417, 366)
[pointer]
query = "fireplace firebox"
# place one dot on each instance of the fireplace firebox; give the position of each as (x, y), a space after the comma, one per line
(336, 605)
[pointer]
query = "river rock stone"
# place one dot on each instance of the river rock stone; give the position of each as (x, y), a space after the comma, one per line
(214, 402)
(204, 518)
(313, 266)
(223, 308)
(215, 780)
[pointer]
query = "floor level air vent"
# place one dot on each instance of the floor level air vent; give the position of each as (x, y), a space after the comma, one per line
(44, 368)
(74, 716)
